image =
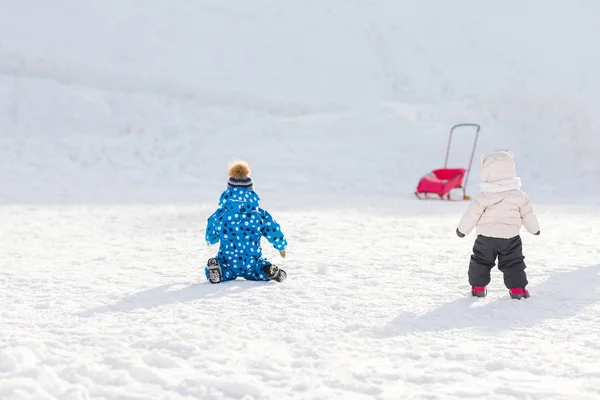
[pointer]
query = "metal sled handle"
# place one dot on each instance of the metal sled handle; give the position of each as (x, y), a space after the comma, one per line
(478, 128)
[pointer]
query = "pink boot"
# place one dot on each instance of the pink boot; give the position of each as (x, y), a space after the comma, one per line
(479, 291)
(519, 293)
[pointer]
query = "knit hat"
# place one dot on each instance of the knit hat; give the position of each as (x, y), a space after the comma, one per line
(239, 175)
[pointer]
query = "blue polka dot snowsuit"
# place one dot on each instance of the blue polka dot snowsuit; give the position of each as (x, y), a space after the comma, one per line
(239, 224)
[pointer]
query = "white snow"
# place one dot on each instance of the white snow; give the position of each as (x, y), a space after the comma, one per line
(118, 119)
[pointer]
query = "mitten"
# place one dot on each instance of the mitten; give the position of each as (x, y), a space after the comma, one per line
(459, 233)
(282, 253)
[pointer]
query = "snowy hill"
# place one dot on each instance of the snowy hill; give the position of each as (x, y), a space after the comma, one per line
(117, 121)
(100, 93)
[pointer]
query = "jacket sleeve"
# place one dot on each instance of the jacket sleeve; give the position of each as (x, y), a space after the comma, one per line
(271, 230)
(530, 221)
(471, 216)
(212, 230)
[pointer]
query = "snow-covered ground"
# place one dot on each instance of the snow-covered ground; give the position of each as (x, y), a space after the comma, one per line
(117, 122)
(108, 302)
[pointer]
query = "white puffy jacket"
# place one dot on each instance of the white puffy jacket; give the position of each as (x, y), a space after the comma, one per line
(502, 208)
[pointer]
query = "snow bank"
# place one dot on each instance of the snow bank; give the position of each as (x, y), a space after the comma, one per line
(112, 102)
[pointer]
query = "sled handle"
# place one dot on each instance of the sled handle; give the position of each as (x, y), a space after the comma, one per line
(478, 128)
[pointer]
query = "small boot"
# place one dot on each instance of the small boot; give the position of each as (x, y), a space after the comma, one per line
(479, 291)
(274, 272)
(214, 271)
(519, 293)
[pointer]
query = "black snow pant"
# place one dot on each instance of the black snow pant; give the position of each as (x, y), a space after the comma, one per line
(510, 261)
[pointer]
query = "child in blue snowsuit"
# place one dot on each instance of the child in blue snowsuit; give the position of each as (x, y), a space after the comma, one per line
(239, 224)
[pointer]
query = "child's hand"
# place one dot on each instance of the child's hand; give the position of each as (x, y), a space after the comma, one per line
(459, 233)
(282, 253)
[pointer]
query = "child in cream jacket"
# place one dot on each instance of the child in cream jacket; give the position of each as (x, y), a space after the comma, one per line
(498, 213)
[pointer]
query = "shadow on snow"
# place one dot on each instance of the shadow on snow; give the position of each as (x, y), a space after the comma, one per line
(562, 295)
(169, 294)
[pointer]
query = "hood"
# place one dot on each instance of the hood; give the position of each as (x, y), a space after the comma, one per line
(238, 199)
(499, 166)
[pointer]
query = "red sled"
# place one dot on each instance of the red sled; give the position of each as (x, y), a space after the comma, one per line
(440, 182)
